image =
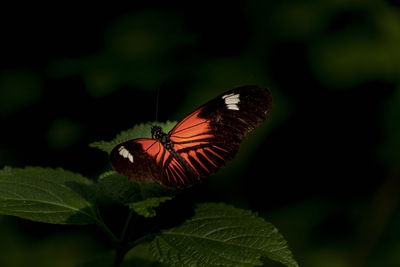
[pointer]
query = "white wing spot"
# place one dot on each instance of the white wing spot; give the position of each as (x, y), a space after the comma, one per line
(232, 106)
(125, 153)
(231, 101)
(225, 96)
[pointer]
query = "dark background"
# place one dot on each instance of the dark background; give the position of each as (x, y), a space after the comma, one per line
(324, 168)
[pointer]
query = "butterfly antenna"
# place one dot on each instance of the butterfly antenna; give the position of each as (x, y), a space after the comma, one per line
(157, 99)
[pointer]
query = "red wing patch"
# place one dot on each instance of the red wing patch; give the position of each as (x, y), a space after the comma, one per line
(204, 159)
(194, 141)
(191, 129)
(173, 170)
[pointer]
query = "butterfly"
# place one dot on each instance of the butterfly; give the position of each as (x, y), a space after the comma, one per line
(199, 144)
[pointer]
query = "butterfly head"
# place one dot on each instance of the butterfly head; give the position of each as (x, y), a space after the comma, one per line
(156, 132)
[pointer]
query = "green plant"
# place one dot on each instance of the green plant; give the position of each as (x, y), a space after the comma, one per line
(216, 233)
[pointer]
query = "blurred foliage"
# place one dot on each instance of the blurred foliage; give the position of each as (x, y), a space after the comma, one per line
(63, 133)
(138, 50)
(18, 89)
(323, 158)
(390, 149)
(43, 249)
(364, 51)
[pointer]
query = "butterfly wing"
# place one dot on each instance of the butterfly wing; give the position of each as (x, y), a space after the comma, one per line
(211, 135)
(139, 159)
(147, 160)
(202, 142)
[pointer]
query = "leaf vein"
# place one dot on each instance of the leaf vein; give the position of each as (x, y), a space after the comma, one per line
(57, 205)
(211, 239)
(36, 187)
(207, 248)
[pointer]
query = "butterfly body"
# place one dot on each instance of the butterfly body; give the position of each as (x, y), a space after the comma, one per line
(158, 134)
(199, 145)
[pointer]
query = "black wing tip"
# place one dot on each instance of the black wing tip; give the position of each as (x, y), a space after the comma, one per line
(262, 90)
(252, 86)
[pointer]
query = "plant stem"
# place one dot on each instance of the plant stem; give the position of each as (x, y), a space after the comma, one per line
(108, 232)
(123, 247)
(119, 256)
(100, 223)
(127, 222)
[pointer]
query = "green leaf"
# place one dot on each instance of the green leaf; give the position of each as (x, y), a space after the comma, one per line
(142, 198)
(138, 256)
(119, 189)
(153, 190)
(46, 195)
(221, 235)
(146, 207)
(142, 130)
(116, 188)
(141, 256)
